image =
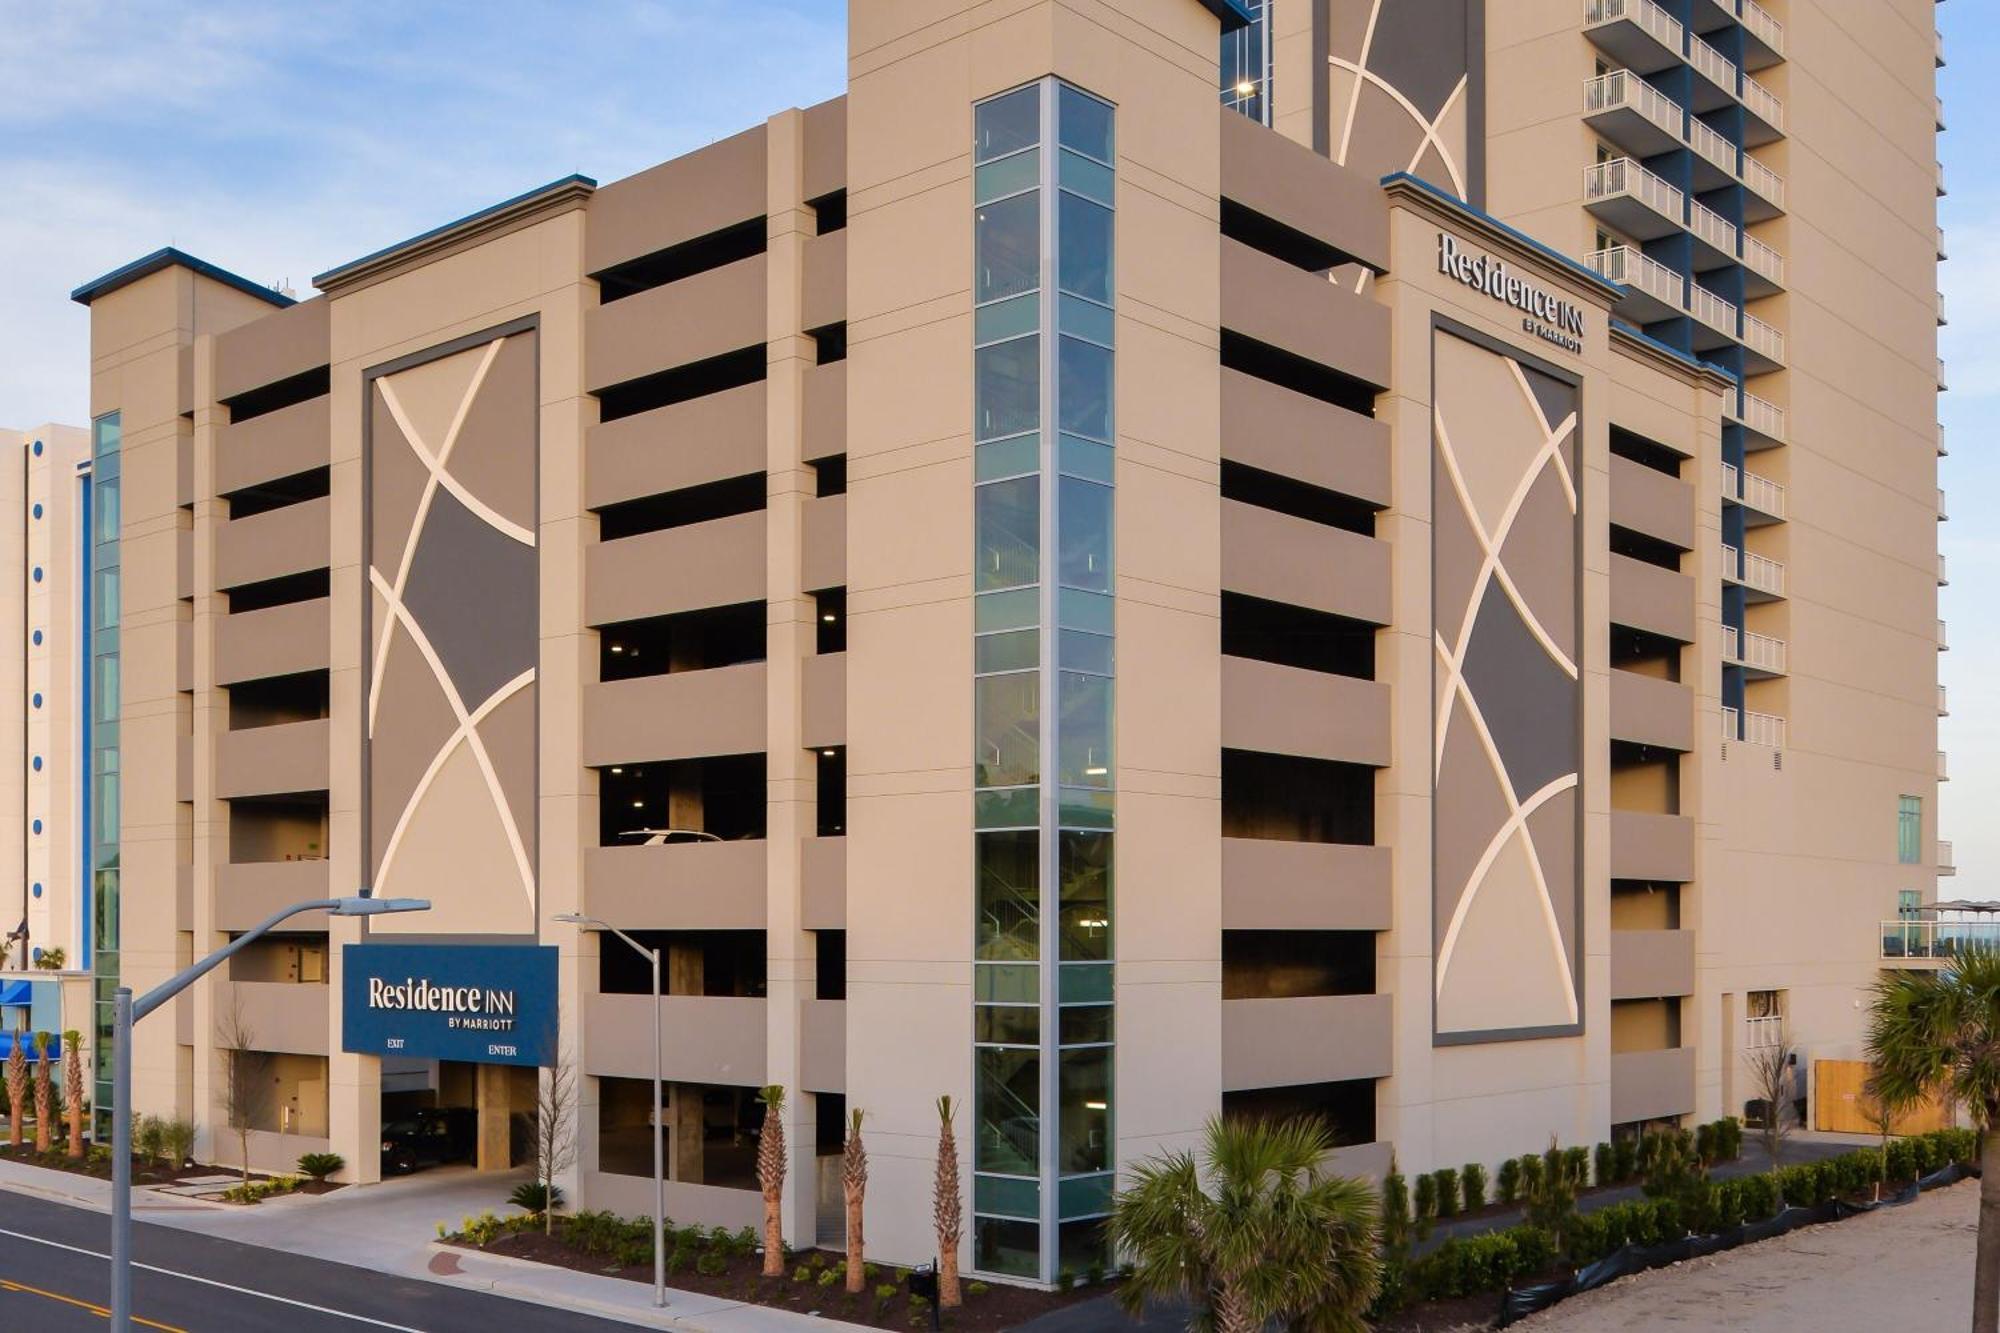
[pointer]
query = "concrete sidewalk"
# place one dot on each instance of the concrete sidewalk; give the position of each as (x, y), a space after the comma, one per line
(392, 1228)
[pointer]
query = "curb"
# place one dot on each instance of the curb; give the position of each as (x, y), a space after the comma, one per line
(647, 1316)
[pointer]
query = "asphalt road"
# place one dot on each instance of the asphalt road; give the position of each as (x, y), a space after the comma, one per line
(54, 1277)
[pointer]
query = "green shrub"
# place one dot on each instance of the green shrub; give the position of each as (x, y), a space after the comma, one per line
(178, 1140)
(1507, 1181)
(1704, 1142)
(1447, 1191)
(1603, 1164)
(980, 1288)
(826, 1277)
(1533, 1172)
(1395, 1213)
(679, 1257)
(1427, 1203)
(1624, 1159)
(149, 1138)
(1472, 1177)
(320, 1165)
(712, 1263)
(1728, 1138)
(803, 1273)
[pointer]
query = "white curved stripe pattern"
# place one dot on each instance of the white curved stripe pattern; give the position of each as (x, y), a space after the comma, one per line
(1556, 433)
(468, 732)
(1354, 97)
(1431, 140)
(435, 475)
(1428, 128)
(1490, 567)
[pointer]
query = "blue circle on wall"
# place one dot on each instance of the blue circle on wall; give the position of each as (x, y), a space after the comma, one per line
(38, 826)
(38, 763)
(38, 955)
(38, 638)
(38, 509)
(38, 890)
(38, 573)
(38, 454)
(38, 700)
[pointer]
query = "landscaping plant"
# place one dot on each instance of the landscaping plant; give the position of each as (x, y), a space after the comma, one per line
(1447, 1191)
(1472, 1176)
(1395, 1213)
(177, 1140)
(1508, 1180)
(1604, 1164)
(854, 1188)
(17, 1088)
(320, 1165)
(73, 1089)
(1937, 1035)
(1427, 1204)
(771, 1177)
(1254, 1233)
(44, 1094)
(947, 1209)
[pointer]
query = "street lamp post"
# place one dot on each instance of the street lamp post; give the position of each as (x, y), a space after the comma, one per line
(659, 1118)
(129, 1011)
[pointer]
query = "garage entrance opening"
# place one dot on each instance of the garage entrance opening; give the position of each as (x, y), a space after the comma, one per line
(456, 1112)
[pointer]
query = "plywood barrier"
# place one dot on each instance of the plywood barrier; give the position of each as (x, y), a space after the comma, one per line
(1842, 1106)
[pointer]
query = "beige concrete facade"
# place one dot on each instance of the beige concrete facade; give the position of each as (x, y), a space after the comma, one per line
(1426, 818)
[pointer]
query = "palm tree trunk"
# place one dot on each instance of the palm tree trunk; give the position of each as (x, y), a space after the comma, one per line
(1986, 1268)
(1232, 1310)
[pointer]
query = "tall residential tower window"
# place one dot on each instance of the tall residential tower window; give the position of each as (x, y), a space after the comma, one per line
(1909, 830)
(101, 601)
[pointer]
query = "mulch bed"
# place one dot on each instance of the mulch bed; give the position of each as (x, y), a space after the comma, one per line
(144, 1172)
(996, 1307)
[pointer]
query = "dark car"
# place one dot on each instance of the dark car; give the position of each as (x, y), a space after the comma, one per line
(429, 1138)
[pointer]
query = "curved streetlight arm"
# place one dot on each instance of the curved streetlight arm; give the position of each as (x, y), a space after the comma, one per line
(180, 981)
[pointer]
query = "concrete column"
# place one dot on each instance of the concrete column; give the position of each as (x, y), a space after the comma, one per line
(493, 1096)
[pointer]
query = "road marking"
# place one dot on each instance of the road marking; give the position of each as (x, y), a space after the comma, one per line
(211, 1282)
(8, 1284)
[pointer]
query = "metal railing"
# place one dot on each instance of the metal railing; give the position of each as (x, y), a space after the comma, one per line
(1762, 651)
(1760, 23)
(1765, 729)
(1944, 644)
(1622, 175)
(1764, 104)
(1944, 769)
(1630, 267)
(1623, 88)
(1936, 939)
(1763, 259)
(1655, 22)
(1765, 1031)
(1944, 705)
(1944, 515)
(1945, 863)
(1763, 416)
(1944, 577)
(1762, 337)
(1763, 180)
(1763, 495)
(1763, 573)
(1712, 145)
(1711, 309)
(1712, 227)
(1711, 64)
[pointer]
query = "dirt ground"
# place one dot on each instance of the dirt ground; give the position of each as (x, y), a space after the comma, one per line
(1907, 1269)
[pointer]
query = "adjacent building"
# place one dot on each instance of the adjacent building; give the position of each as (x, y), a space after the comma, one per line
(1404, 591)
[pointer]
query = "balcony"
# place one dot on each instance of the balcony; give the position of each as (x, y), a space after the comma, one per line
(1906, 940)
(1632, 113)
(1944, 515)
(1648, 964)
(1944, 709)
(1943, 768)
(1764, 498)
(1941, 191)
(1652, 290)
(1714, 231)
(1766, 108)
(1633, 200)
(707, 1038)
(1944, 580)
(1652, 1085)
(1637, 33)
(1714, 313)
(678, 886)
(1762, 578)
(1762, 729)
(1762, 418)
(1765, 344)
(1712, 147)
(1309, 1039)
(1760, 655)
(1766, 44)
(1946, 865)
(1761, 262)
(1944, 644)
(1767, 189)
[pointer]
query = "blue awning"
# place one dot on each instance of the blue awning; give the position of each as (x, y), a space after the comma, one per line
(17, 991)
(28, 1044)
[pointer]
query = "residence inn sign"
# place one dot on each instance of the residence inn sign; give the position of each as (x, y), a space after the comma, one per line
(1549, 317)
(489, 1004)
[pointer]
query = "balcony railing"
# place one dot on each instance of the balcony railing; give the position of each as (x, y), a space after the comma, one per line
(1623, 88)
(1762, 259)
(1936, 940)
(1761, 25)
(1621, 175)
(1946, 865)
(1763, 103)
(1712, 145)
(1944, 515)
(1944, 578)
(1940, 179)
(1630, 267)
(1763, 652)
(1652, 20)
(1764, 181)
(1944, 644)
(1712, 65)
(1763, 416)
(1763, 338)
(1763, 573)
(1944, 705)
(1759, 493)
(1765, 729)
(1712, 227)
(1944, 769)
(1764, 1031)
(1711, 309)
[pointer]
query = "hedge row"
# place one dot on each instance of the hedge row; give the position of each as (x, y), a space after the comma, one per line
(1494, 1260)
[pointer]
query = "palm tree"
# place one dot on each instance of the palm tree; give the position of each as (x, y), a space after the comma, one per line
(771, 1177)
(1255, 1232)
(947, 1209)
(1937, 1034)
(17, 1088)
(44, 1094)
(72, 1041)
(854, 1184)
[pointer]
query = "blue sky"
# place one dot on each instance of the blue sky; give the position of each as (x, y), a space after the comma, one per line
(280, 140)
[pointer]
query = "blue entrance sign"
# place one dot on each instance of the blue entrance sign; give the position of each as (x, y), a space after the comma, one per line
(494, 1004)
